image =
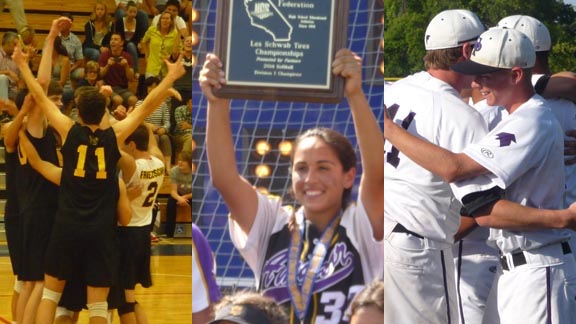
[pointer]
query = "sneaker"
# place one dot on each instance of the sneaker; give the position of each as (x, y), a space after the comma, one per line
(154, 238)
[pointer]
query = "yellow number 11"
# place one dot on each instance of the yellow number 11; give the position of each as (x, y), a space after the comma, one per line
(99, 152)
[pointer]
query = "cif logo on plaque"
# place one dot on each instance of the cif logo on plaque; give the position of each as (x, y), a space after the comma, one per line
(265, 15)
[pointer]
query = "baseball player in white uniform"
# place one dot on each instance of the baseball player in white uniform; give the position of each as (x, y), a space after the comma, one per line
(523, 152)
(476, 262)
(558, 97)
(421, 213)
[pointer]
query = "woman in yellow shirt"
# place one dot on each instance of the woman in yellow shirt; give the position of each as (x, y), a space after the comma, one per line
(159, 42)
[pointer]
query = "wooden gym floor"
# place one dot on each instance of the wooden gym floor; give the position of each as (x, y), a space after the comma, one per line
(169, 300)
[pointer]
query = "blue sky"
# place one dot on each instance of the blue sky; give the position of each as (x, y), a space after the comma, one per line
(572, 2)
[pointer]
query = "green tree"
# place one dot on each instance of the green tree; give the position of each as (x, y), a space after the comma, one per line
(406, 20)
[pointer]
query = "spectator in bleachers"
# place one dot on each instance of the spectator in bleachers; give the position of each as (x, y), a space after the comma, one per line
(16, 10)
(186, 13)
(160, 42)
(74, 48)
(116, 69)
(150, 7)
(141, 12)
(180, 190)
(160, 123)
(132, 30)
(184, 84)
(92, 77)
(185, 9)
(173, 7)
(97, 32)
(28, 36)
(183, 129)
(9, 72)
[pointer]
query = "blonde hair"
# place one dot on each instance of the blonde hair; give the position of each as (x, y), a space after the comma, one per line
(266, 306)
(371, 295)
(92, 66)
(107, 18)
(172, 26)
(26, 32)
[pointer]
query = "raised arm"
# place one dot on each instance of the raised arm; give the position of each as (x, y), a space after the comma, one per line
(37, 120)
(13, 128)
(451, 167)
(60, 122)
(239, 195)
(45, 67)
(126, 126)
(369, 136)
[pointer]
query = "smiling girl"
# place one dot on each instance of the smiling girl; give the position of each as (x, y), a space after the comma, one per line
(315, 259)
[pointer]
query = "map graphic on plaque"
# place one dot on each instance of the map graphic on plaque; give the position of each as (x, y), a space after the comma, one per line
(265, 15)
(280, 43)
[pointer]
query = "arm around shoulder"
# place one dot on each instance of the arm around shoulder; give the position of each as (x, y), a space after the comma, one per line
(561, 85)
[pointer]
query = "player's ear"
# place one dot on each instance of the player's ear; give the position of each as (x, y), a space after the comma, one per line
(349, 177)
(517, 74)
(467, 50)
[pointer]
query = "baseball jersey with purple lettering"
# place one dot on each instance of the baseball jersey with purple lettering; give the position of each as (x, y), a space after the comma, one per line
(205, 291)
(419, 200)
(524, 154)
(353, 258)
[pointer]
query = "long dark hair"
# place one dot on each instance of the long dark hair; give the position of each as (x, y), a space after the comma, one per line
(343, 149)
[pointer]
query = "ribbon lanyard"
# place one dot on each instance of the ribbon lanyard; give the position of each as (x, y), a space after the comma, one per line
(301, 296)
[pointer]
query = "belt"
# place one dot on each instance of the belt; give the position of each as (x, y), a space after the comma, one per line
(399, 228)
(517, 259)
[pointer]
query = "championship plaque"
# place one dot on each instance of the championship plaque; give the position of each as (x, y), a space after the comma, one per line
(281, 49)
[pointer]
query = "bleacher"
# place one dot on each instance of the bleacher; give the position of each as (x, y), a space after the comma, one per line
(39, 14)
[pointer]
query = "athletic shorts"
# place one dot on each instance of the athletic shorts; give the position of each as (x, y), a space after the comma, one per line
(74, 296)
(92, 249)
(135, 256)
(12, 226)
(35, 231)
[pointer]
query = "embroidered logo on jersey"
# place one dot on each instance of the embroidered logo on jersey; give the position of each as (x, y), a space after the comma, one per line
(93, 140)
(487, 153)
(337, 267)
(505, 139)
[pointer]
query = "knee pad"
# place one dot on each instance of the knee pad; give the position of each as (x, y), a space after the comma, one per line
(126, 308)
(51, 295)
(18, 285)
(98, 309)
(62, 311)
